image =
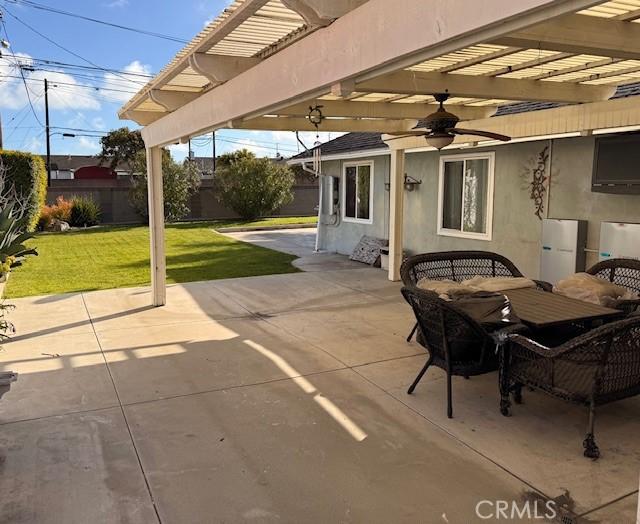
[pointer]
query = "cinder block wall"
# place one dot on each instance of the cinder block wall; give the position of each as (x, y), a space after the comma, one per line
(113, 197)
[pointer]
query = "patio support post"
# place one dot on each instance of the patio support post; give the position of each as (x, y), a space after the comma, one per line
(396, 209)
(156, 225)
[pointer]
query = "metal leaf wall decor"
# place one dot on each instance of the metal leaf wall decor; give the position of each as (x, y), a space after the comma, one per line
(538, 183)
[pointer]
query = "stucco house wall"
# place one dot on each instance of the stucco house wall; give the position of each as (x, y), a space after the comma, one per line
(516, 228)
(344, 236)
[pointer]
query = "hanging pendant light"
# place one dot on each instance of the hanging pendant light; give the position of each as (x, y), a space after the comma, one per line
(439, 140)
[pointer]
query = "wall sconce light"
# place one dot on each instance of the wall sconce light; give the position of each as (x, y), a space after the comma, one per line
(411, 183)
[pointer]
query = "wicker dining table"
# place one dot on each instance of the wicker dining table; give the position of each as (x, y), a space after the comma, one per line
(541, 309)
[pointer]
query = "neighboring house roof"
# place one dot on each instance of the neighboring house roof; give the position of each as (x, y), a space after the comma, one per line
(367, 141)
(349, 142)
(622, 91)
(73, 162)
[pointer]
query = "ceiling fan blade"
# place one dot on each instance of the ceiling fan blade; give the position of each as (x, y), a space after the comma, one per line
(406, 134)
(477, 132)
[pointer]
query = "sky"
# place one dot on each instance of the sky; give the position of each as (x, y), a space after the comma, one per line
(88, 112)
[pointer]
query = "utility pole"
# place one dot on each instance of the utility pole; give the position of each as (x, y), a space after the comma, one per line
(46, 116)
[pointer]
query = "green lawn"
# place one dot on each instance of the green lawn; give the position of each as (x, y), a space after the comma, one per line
(109, 257)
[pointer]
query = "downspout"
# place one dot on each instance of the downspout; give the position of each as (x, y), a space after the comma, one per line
(318, 175)
(320, 209)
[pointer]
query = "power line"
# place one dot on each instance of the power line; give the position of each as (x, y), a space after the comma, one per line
(257, 141)
(122, 75)
(204, 141)
(26, 114)
(60, 46)
(24, 81)
(80, 130)
(57, 63)
(70, 84)
(90, 96)
(97, 21)
(39, 62)
(238, 142)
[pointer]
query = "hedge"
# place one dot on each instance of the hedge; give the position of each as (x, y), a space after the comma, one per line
(29, 175)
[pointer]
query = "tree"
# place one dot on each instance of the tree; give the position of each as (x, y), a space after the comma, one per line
(120, 145)
(251, 186)
(179, 183)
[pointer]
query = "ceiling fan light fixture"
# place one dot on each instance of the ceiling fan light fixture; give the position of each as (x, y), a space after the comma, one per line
(439, 141)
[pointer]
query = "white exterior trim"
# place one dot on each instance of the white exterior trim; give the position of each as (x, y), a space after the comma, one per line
(363, 153)
(345, 218)
(358, 153)
(396, 213)
(490, 155)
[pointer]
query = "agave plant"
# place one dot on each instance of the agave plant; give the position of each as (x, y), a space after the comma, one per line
(13, 234)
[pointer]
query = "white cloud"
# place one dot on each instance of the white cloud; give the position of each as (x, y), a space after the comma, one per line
(179, 151)
(34, 145)
(264, 143)
(88, 145)
(98, 123)
(64, 93)
(125, 84)
(117, 3)
(78, 121)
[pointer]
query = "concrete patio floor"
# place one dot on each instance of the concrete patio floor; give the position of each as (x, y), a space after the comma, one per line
(300, 242)
(276, 399)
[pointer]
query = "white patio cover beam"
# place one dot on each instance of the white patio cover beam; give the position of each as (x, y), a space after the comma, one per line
(334, 125)
(172, 100)
(143, 118)
(322, 12)
(366, 42)
(418, 83)
(580, 34)
(340, 108)
(610, 114)
(220, 68)
(237, 17)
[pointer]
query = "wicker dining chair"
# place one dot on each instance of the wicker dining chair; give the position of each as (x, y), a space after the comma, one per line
(455, 342)
(458, 266)
(593, 369)
(624, 272)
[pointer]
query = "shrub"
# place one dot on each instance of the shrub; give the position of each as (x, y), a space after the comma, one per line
(61, 210)
(24, 176)
(84, 212)
(253, 187)
(179, 183)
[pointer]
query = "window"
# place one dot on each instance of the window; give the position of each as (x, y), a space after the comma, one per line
(466, 196)
(358, 192)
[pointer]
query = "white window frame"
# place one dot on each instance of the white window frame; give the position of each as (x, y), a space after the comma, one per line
(345, 165)
(442, 231)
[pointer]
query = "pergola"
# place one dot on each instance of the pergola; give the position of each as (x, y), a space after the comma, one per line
(374, 66)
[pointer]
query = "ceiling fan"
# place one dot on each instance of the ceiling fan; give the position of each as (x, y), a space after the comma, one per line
(440, 129)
